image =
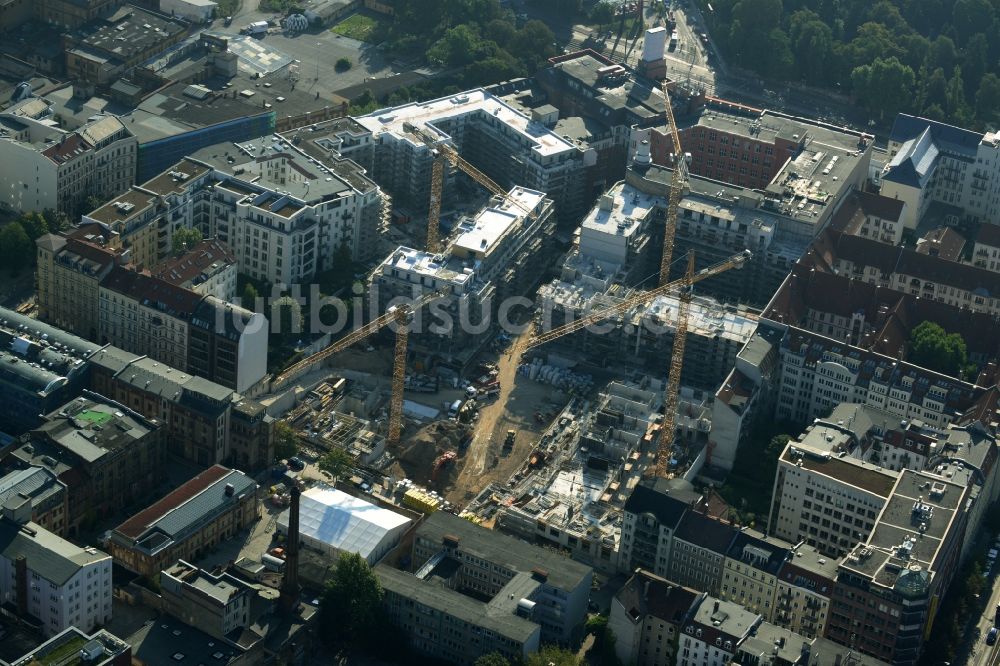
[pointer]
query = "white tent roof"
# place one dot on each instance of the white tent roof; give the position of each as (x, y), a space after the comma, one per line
(345, 522)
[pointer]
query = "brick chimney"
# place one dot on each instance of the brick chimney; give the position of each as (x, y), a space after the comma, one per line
(290, 583)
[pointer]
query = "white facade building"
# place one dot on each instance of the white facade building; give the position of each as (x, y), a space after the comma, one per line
(935, 162)
(44, 167)
(65, 585)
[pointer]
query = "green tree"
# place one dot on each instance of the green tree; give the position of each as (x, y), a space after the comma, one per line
(551, 655)
(250, 295)
(336, 462)
(935, 91)
(286, 441)
(492, 659)
(975, 61)
(941, 53)
(184, 239)
(16, 249)
(957, 107)
(988, 99)
(602, 14)
(351, 605)
(934, 348)
(883, 86)
(34, 224)
(458, 46)
(970, 17)
(342, 64)
(812, 45)
(288, 313)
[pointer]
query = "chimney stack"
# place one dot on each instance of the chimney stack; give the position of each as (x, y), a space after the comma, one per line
(290, 583)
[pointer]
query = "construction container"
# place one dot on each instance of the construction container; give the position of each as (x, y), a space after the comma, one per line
(420, 501)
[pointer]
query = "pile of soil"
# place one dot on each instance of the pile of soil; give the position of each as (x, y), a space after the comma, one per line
(416, 455)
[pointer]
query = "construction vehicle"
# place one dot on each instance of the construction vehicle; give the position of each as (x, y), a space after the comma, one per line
(508, 442)
(443, 152)
(442, 461)
(400, 315)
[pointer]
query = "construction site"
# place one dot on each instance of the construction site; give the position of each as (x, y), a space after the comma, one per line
(534, 433)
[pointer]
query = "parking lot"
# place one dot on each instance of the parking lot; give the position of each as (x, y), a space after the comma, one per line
(315, 53)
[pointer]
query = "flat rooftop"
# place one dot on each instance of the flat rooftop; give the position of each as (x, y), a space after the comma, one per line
(304, 180)
(432, 593)
(494, 222)
(418, 262)
(620, 211)
(563, 573)
(540, 139)
(857, 473)
(904, 548)
(130, 32)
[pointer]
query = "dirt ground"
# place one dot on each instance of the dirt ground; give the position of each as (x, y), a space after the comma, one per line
(520, 398)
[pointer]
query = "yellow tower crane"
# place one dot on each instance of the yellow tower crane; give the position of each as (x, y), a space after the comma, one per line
(677, 179)
(402, 316)
(683, 286)
(442, 153)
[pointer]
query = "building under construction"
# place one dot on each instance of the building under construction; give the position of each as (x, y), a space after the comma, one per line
(572, 489)
(508, 146)
(500, 252)
(326, 419)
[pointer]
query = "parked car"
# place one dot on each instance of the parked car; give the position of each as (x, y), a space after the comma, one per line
(297, 464)
(991, 636)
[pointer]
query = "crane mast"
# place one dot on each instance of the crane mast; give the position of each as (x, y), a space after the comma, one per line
(674, 378)
(402, 317)
(677, 178)
(443, 152)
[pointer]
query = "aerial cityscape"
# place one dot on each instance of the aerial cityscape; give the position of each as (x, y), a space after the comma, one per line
(499, 332)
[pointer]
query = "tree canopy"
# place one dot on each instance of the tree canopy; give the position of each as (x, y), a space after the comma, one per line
(551, 655)
(886, 53)
(336, 462)
(478, 38)
(286, 441)
(184, 239)
(934, 348)
(350, 609)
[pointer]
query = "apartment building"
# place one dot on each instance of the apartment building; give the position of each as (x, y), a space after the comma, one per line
(698, 553)
(499, 253)
(41, 367)
(986, 247)
(650, 518)
(68, 274)
(804, 589)
(218, 604)
(196, 413)
(203, 335)
(911, 272)
(284, 215)
(828, 500)
(102, 51)
(888, 586)
(188, 523)
(506, 144)
(46, 167)
(251, 436)
(109, 456)
(751, 572)
(713, 633)
(871, 216)
(931, 162)
(208, 268)
(647, 616)
(39, 489)
(45, 577)
(146, 316)
(145, 217)
(491, 565)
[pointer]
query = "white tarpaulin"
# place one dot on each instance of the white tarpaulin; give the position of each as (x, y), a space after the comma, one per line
(331, 520)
